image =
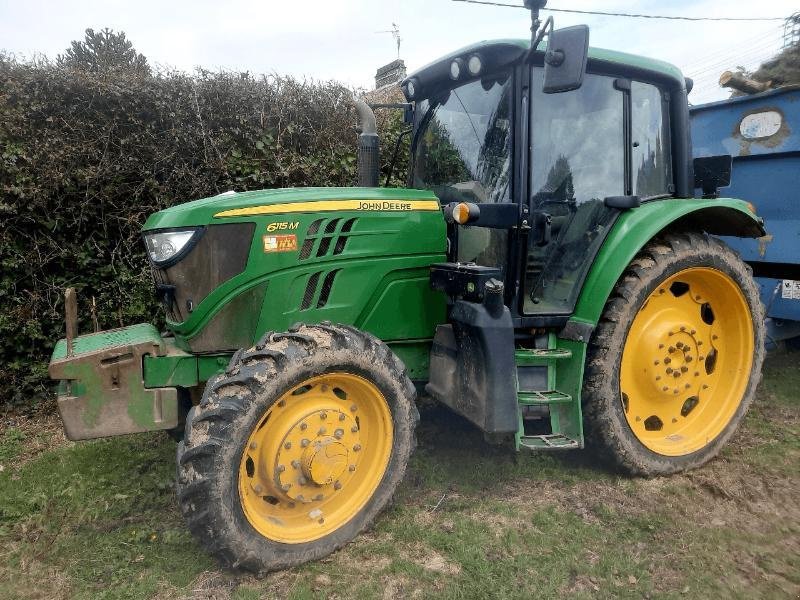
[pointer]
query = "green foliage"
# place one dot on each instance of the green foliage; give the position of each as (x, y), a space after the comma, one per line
(104, 51)
(94, 143)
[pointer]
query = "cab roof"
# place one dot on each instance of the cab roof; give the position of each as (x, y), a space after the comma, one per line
(504, 52)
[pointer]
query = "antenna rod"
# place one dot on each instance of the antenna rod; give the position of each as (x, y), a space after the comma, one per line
(534, 6)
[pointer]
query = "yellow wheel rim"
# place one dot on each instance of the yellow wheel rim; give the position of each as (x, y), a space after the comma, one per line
(686, 361)
(315, 458)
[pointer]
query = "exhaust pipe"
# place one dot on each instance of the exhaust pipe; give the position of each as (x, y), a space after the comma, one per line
(369, 161)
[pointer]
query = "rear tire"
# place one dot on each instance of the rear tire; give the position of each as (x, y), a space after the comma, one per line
(296, 448)
(674, 363)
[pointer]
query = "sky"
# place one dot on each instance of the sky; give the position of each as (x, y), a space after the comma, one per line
(338, 40)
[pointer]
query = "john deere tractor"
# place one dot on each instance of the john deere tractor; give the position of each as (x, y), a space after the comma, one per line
(550, 274)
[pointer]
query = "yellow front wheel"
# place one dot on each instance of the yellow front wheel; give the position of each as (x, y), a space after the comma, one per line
(297, 448)
(675, 362)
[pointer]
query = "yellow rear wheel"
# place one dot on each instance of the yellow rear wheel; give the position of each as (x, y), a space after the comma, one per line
(315, 458)
(687, 361)
(676, 358)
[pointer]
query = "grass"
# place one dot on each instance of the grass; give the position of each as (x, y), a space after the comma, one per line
(99, 520)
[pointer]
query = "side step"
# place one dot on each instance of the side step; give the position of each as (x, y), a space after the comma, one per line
(549, 397)
(548, 442)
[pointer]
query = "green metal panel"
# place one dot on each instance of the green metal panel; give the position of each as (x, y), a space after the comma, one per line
(632, 231)
(92, 342)
(201, 212)
(359, 256)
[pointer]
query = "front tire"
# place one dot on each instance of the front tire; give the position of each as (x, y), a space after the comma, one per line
(674, 363)
(296, 448)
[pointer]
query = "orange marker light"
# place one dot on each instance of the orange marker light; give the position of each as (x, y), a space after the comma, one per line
(461, 213)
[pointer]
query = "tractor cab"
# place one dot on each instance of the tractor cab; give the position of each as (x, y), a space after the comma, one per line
(535, 178)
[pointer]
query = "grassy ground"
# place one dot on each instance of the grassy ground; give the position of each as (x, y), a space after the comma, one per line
(99, 520)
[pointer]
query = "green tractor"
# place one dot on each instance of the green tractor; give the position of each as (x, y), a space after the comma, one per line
(549, 274)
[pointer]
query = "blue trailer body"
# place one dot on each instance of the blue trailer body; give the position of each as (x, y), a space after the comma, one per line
(762, 134)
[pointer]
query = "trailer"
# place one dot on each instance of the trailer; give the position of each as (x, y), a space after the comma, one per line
(762, 134)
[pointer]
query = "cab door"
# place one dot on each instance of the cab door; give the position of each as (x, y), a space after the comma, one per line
(608, 138)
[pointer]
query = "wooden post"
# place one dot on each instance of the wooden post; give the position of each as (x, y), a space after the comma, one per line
(71, 310)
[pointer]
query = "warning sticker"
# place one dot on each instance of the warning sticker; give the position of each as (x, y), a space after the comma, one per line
(790, 290)
(280, 243)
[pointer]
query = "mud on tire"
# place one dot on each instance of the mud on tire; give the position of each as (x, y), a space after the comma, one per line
(217, 430)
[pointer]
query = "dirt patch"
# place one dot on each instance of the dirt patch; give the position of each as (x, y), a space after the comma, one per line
(35, 435)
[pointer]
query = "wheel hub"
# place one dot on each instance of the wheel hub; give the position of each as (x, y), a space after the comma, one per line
(677, 359)
(316, 455)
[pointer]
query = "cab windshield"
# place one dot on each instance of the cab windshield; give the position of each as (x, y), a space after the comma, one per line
(463, 144)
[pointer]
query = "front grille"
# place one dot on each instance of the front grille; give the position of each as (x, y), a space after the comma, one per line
(220, 254)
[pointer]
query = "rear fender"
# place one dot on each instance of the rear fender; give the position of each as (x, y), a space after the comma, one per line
(636, 227)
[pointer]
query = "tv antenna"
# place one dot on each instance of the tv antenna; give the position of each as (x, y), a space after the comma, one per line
(395, 31)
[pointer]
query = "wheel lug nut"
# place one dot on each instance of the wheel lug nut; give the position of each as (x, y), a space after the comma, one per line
(689, 359)
(300, 498)
(303, 426)
(699, 342)
(660, 346)
(669, 370)
(671, 349)
(664, 389)
(296, 464)
(322, 431)
(679, 345)
(655, 362)
(318, 497)
(338, 434)
(286, 487)
(357, 447)
(323, 415)
(353, 408)
(701, 358)
(287, 445)
(684, 369)
(687, 386)
(302, 480)
(337, 485)
(281, 469)
(351, 468)
(667, 360)
(683, 328)
(675, 391)
(354, 429)
(674, 420)
(257, 488)
(676, 374)
(658, 377)
(714, 337)
(693, 331)
(341, 417)
(304, 442)
(705, 387)
(253, 445)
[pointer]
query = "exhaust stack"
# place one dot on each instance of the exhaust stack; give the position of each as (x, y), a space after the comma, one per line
(369, 162)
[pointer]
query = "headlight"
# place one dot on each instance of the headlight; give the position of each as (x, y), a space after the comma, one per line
(168, 246)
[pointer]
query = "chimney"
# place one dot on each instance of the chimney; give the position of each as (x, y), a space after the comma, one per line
(390, 74)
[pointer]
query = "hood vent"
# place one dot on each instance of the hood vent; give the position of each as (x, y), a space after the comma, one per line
(324, 293)
(327, 237)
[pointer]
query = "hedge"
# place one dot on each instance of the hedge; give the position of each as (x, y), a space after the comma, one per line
(86, 155)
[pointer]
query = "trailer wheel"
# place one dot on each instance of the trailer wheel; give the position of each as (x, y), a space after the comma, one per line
(676, 358)
(296, 448)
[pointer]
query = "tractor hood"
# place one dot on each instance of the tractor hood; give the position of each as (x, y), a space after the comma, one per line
(241, 206)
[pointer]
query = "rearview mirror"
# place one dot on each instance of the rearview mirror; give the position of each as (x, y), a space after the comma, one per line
(565, 59)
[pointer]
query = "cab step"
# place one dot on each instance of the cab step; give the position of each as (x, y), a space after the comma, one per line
(548, 442)
(539, 357)
(548, 397)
